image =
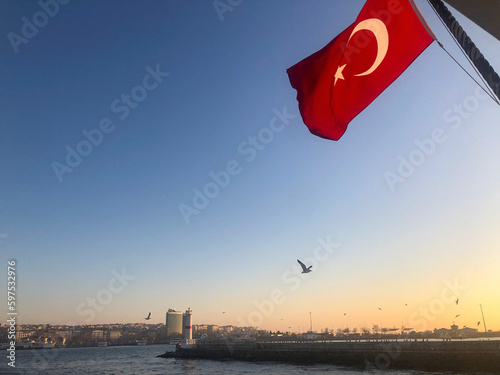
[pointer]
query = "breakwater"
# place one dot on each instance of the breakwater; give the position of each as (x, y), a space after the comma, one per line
(457, 355)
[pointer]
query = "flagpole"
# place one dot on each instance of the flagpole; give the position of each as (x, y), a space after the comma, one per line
(484, 323)
(482, 65)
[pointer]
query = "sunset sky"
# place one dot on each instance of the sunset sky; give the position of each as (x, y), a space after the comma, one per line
(204, 85)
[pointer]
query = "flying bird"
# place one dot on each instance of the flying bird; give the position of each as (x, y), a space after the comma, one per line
(149, 317)
(478, 323)
(345, 314)
(304, 268)
(379, 308)
(223, 312)
(456, 316)
(456, 302)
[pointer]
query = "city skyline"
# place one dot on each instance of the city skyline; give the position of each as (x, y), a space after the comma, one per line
(153, 157)
(230, 328)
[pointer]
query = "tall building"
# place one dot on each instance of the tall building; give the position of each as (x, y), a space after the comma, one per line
(174, 322)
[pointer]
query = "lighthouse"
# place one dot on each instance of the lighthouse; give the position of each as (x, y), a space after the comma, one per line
(188, 325)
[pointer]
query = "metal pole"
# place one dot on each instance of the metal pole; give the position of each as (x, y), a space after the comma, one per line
(310, 319)
(484, 323)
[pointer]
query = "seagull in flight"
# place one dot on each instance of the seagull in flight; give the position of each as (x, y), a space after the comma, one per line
(149, 317)
(456, 302)
(478, 323)
(379, 308)
(456, 316)
(304, 268)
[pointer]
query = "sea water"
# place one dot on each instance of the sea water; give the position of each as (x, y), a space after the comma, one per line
(128, 360)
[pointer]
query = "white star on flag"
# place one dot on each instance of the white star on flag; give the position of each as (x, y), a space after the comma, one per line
(338, 74)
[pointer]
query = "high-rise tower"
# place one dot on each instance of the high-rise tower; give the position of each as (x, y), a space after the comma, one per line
(174, 323)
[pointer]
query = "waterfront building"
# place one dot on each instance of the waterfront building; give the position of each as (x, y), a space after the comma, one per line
(468, 331)
(115, 334)
(174, 322)
(24, 334)
(98, 334)
(213, 328)
(200, 328)
(65, 334)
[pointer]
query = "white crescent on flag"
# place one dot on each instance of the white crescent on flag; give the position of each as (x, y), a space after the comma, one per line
(378, 28)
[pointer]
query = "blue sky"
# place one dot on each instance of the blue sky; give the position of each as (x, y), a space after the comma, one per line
(119, 208)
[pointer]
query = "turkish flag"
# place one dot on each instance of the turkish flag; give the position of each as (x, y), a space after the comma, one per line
(336, 83)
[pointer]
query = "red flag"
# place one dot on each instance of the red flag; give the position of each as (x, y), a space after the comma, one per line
(339, 81)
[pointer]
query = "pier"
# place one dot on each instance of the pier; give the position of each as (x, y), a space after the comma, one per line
(454, 355)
